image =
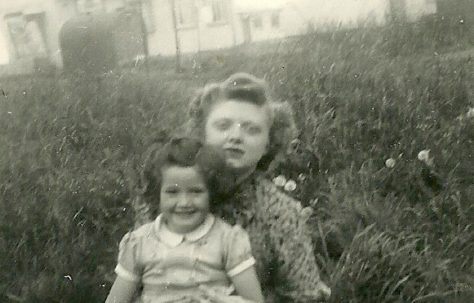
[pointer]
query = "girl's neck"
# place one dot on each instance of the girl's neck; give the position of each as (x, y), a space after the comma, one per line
(181, 232)
(242, 175)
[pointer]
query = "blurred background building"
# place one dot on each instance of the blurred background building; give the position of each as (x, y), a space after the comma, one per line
(30, 29)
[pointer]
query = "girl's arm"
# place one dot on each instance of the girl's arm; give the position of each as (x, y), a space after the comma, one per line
(247, 285)
(240, 268)
(122, 291)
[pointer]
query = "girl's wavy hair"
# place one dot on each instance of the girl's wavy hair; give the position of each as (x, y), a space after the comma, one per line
(184, 152)
(246, 88)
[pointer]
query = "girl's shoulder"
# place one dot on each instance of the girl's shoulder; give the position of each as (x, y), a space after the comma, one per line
(228, 234)
(234, 238)
(140, 233)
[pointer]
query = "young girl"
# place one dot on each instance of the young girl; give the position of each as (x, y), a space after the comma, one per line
(186, 248)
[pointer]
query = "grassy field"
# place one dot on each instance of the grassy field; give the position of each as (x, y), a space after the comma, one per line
(401, 230)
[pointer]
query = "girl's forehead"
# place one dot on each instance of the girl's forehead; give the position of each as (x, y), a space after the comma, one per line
(174, 173)
(239, 109)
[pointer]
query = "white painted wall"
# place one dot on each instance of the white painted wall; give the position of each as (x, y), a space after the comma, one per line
(4, 55)
(113, 5)
(418, 8)
(267, 31)
(296, 15)
(202, 36)
(55, 15)
(332, 13)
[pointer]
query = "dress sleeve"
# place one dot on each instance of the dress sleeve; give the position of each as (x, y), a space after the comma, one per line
(238, 252)
(297, 274)
(128, 266)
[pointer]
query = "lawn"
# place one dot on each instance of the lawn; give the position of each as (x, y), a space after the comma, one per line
(390, 224)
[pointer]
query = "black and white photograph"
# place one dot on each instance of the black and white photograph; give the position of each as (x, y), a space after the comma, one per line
(237, 151)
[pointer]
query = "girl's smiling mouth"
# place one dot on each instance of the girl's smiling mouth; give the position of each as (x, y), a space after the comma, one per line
(185, 212)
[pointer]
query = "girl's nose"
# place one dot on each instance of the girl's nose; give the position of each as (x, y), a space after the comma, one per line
(184, 200)
(235, 132)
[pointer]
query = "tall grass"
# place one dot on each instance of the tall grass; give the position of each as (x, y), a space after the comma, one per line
(71, 150)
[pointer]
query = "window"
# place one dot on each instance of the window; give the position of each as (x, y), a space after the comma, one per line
(257, 21)
(219, 12)
(27, 35)
(186, 13)
(275, 19)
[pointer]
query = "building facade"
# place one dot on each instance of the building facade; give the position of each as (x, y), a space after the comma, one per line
(30, 28)
(284, 18)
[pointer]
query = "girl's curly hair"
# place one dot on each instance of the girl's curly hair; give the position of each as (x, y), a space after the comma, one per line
(246, 88)
(184, 152)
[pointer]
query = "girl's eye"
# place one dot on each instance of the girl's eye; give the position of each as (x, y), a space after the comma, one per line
(171, 190)
(197, 190)
(253, 129)
(222, 124)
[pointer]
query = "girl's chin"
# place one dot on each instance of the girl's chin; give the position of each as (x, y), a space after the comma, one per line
(240, 168)
(182, 227)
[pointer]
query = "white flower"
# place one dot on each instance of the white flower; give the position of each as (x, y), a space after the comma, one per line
(290, 185)
(280, 180)
(470, 112)
(424, 156)
(390, 163)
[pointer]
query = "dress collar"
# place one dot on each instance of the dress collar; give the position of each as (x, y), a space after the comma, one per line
(174, 239)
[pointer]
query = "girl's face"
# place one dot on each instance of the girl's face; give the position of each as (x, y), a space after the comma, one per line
(184, 198)
(241, 129)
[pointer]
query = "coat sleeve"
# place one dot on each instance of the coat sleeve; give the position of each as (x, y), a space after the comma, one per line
(297, 276)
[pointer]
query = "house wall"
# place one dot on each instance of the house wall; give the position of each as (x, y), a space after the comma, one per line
(112, 5)
(332, 13)
(59, 14)
(201, 36)
(418, 8)
(267, 31)
(161, 40)
(55, 14)
(158, 18)
(4, 55)
(297, 16)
